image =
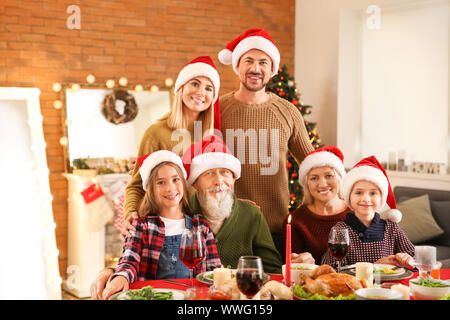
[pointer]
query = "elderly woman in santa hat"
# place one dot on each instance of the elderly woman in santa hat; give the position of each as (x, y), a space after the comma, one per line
(320, 175)
(196, 103)
(366, 189)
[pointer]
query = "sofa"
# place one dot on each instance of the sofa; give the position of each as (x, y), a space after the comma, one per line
(426, 218)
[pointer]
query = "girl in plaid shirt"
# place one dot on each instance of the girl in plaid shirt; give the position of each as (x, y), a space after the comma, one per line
(366, 189)
(152, 250)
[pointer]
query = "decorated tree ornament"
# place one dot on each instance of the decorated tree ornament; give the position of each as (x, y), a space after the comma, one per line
(110, 112)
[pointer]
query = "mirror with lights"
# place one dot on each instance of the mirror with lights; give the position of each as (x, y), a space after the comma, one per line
(108, 123)
(26, 196)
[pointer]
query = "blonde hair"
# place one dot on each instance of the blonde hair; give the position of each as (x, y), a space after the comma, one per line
(308, 198)
(149, 204)
(176, 120)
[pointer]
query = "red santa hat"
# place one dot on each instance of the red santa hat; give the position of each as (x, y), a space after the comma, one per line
(202, 66)
(149, 161)
(328, 156)
(250, 39)
(209, 153)
(370, 169)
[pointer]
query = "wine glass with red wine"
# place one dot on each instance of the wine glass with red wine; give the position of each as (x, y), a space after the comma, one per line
(338, 242)
(249, 275)
(192, 249)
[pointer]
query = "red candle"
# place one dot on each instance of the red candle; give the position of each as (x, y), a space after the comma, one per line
(287, 277)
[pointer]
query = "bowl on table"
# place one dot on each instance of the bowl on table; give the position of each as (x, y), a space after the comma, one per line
(297, 269)
(423, 290)
(378, 294)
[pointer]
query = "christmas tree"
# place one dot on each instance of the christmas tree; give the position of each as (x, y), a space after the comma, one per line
(283, 85)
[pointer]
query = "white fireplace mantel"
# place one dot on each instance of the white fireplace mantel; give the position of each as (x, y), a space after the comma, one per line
(419, 180)
(86, 249)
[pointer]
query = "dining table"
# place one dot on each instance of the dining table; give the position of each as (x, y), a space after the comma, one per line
(184, 283)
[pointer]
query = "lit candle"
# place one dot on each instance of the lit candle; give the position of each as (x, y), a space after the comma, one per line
(288, 253)
(220, 275)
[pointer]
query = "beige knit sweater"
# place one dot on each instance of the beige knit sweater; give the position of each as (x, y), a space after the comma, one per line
(157, 137)
(261, 135)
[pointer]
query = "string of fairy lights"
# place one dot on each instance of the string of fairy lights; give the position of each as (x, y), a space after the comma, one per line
(122, 83)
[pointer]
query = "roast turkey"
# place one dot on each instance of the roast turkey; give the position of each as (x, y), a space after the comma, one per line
(325, 281)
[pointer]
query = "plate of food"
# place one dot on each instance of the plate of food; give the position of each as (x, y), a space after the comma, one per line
(208, 276)
(324, 283)
(385, 272)
(149, 293)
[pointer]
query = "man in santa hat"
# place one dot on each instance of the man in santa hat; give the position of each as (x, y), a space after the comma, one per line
(239, 227)
(260, 128)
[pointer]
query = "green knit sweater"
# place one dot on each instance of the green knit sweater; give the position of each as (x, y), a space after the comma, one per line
(244, 233)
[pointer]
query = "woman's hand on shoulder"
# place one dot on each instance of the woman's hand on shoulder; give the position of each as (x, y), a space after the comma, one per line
(131, 165)
(251, 202)
(127, 225)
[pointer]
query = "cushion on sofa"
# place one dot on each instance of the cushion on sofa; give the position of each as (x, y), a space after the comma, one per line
(441, 213)
(417, 221)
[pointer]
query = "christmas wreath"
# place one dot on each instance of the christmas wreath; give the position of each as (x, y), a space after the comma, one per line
(109, 107)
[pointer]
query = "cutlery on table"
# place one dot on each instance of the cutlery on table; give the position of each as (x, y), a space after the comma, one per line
(176, 282)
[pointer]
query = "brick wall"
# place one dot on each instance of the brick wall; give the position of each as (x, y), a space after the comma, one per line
(144, 41)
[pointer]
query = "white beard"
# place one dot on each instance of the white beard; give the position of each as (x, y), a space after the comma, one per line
(216, 210)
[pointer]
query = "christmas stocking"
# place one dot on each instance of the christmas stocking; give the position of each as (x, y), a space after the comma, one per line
(118, 206)
(98, 206)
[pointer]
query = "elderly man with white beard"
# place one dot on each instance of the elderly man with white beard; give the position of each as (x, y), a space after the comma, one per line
(239, 227)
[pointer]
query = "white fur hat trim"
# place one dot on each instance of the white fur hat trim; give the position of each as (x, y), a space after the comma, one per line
(156, 158)
(367, 173)
(212, 160)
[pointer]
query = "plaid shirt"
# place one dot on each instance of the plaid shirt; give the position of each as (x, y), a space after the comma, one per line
(393, 241)
(141, 251)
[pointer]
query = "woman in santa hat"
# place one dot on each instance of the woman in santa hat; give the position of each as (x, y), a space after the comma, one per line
(196, 100)
(366, 189)
(152, 250)
(320, 175)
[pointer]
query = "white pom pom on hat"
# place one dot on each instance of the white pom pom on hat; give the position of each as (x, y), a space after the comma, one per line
(225, 56)
(370, 169)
